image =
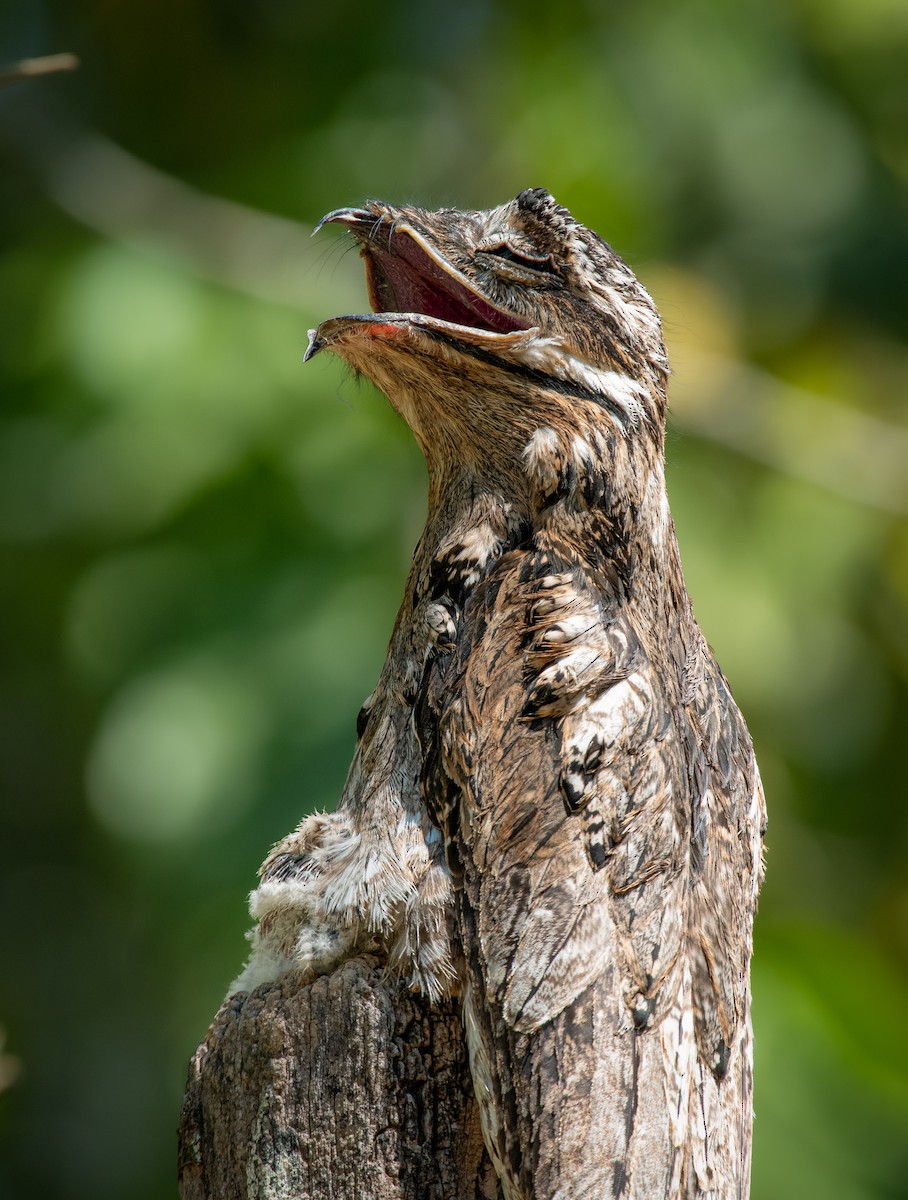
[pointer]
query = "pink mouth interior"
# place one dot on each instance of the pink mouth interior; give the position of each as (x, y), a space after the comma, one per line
(402, 278)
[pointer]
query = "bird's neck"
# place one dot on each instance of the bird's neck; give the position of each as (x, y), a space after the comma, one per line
(626, 542)
(473, 519)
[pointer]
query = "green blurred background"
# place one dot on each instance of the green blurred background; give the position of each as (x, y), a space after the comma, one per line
(204, 542)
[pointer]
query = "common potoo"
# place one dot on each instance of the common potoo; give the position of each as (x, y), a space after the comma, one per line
(553, 809)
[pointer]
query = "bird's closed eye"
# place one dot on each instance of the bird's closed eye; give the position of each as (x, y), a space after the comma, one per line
(526, 262)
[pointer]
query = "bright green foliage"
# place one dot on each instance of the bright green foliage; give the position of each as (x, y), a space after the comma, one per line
(204, 541)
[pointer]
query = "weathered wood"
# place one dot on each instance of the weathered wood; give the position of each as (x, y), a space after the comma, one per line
(346, 1088)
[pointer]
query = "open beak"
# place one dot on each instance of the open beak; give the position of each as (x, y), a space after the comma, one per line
(407, 277)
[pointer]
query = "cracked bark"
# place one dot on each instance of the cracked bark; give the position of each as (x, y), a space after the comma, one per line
(349, 1087)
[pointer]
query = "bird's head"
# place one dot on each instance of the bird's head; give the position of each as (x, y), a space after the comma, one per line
(492, 328)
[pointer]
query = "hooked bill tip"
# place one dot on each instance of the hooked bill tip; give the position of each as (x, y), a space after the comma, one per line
(353, 218)
(315, 344)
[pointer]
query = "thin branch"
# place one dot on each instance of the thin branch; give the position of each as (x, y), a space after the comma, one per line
(31, 68)
(794, 432)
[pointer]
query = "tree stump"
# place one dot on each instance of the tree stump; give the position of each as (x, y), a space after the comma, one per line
(349, 1087)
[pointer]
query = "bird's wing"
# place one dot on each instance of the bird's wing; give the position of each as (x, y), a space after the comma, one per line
(727, 824)
(602, 877)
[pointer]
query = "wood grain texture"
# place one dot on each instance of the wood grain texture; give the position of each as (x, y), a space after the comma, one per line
(349, 1087)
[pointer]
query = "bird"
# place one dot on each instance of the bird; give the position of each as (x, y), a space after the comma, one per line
(554, 812)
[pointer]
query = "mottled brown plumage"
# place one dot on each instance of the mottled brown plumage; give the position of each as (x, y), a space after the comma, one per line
(554, 808)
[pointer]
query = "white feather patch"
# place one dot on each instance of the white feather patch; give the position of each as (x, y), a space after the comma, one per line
(549, 354)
